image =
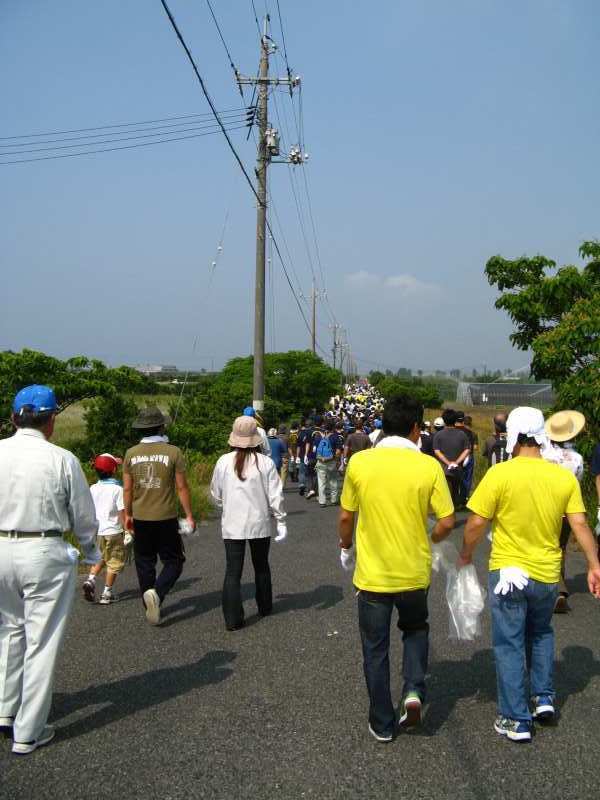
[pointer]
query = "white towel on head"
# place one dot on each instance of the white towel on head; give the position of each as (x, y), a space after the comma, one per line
(529, 421)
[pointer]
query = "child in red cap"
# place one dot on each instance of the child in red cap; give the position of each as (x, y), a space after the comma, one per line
(110, 512)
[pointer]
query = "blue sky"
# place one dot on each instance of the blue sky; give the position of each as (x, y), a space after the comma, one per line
(439, 134)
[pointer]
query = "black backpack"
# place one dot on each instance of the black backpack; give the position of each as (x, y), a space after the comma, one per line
(498, 452)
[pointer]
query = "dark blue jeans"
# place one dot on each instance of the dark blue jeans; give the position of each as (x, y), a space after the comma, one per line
(523, 642)
(374, 619)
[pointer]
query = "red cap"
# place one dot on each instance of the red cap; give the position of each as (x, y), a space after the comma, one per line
(107, 463)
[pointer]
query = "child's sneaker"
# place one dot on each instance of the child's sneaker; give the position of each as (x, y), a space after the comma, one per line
(89, 589)
(513, 729)
(108, 597)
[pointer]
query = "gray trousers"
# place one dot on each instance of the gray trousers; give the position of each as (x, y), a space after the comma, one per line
(37, 585)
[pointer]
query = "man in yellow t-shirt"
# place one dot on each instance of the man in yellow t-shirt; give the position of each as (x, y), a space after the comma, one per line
(525, 499)
(392, 488)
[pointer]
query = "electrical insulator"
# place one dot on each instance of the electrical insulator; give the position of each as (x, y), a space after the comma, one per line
(272, 137)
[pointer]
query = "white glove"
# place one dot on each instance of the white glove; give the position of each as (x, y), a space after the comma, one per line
(72, 553)
(348, 558)
(185, 527)
(281, 532)
(128, 539)
(453, 465)
(306, 460)
(298, 460)
(511, 578)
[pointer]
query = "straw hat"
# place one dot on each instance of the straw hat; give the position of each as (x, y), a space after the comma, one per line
(244, 433)
(564, 425)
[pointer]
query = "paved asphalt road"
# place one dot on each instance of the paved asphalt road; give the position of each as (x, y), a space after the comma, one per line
(279, 709)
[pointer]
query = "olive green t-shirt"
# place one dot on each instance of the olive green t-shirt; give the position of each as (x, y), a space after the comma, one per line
(152, 467)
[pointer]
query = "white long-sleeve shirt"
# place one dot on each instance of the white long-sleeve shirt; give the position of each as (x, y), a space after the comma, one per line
(43, 488)
(247, 505)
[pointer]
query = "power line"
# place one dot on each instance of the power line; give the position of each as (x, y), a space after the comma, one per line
(118, 125)
(283, 42)
(256, 18)
(207, 96)
(230, 143)
(231, 64)
(206, 126)
(111, 149)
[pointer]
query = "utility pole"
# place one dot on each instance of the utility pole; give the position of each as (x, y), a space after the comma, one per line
(315, 294)
(336, 344)
(268, 146)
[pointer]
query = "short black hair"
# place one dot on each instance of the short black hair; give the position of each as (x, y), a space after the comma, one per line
(329, 426)
(31, 419)
(468, 419)
(460, 416)
(527, 441)
(155, 431)
(449, 416)
(103, 476)
(401, 414)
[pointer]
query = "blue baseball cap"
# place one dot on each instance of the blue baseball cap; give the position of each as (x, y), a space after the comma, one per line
(35, 398)
(378, 423)
(249, 412)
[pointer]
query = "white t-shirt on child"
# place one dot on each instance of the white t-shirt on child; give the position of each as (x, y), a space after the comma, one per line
(108, 500)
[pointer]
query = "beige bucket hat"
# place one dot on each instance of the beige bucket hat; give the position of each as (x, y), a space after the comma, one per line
(564, 425)
(244, 433)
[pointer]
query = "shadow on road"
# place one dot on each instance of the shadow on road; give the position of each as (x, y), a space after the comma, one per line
(321, 598)
(452, 681)
(135, 594)
(138, 692)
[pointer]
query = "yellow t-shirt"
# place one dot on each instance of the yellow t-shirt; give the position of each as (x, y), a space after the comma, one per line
(393, 490)
(526, 498)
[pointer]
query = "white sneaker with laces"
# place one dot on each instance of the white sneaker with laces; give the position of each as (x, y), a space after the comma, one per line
(24, 748)
(108, 597)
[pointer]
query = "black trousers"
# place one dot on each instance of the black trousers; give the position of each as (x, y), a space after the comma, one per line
(235, 550)
(152, 540)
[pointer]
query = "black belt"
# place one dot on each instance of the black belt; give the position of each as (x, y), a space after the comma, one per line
(28, 534)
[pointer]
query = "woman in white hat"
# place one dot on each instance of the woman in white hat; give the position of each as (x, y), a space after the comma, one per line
(245, 484)
(561, 429)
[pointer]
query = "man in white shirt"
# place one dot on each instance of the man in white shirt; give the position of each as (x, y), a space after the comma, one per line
(43, 494)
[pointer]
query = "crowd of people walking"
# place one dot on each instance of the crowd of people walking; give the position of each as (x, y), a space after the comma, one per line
(387, 468)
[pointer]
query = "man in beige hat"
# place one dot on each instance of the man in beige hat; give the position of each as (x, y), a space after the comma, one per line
(561, 429)
(153, 478)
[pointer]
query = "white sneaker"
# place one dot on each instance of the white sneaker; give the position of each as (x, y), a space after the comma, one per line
(152, 603)
(23, 748)
(310, 494)
(108, 597)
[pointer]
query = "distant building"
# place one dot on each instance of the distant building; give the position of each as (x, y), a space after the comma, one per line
(505, 394)
(157, 370)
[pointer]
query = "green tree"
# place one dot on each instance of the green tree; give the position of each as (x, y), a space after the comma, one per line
(428, 395)
(108, 423)
(74, 379)
(556, 313)
(296, 382)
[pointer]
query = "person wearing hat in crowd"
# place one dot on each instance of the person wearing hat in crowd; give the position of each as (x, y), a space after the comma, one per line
(438, 425)
(112, 539)
(426, 440)
(43, 494)
(246, 486)
(562, 428)
(265, 447)
(153, 478)
(526, 499)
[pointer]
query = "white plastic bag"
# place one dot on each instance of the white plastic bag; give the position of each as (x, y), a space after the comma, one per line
(464, 594)
(466, 599)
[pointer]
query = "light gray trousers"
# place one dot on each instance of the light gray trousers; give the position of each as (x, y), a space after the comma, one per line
(37, 585)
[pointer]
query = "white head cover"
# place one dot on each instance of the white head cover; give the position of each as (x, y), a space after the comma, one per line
(529, 421)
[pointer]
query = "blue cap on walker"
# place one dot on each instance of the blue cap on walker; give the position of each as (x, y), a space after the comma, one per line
(249, 412)
(36, 399)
